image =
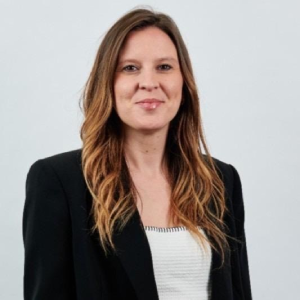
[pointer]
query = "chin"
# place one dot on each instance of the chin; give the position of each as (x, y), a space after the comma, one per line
(149, 128)
(152, 129)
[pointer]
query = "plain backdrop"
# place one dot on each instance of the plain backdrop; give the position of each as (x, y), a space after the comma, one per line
(245, 56)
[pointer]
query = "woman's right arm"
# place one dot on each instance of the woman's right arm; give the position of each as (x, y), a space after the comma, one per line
(48, 272)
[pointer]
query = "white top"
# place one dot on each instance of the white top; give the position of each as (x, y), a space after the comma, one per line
(181, 265)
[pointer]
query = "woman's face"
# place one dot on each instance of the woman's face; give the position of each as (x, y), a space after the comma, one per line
(148, 81)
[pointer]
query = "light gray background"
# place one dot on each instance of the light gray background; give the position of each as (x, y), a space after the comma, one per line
(246, 60)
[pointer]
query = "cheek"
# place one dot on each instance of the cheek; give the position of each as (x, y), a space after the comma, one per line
(175, 89)
(123, 94)
(123, 89)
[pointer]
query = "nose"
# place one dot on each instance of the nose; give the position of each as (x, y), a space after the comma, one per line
(148, 81)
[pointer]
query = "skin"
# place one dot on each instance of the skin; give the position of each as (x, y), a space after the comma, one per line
(148, 67)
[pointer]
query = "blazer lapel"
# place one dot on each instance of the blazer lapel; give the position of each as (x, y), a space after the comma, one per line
(134, 253)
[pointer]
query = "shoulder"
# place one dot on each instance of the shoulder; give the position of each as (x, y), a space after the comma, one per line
(63, 167)
(229, 174)
(233, 190)
(225, 169)
(62, 162)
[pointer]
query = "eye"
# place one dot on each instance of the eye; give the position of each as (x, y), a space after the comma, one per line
(165, 67)
(129, 68)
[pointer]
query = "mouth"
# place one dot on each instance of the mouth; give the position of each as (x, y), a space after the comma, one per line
(149, 104)
(152, 100)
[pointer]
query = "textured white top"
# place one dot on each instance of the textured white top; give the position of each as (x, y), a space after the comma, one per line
(181, 265)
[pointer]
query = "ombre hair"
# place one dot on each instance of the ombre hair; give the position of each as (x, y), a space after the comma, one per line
(197, 191)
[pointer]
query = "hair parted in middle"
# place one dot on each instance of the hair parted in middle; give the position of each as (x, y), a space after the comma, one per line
(197, 191)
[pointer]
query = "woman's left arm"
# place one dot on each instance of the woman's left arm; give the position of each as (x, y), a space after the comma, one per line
(241, 247)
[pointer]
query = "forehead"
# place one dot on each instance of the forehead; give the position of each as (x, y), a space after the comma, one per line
(151, 41)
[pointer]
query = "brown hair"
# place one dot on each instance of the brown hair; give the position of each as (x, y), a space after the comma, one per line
(198, 193)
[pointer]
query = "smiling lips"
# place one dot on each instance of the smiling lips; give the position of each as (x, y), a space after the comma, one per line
(149, 104)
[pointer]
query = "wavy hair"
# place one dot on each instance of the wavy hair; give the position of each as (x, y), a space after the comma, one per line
(197, 191)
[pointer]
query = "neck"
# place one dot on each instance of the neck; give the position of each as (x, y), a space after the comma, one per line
(144, 152)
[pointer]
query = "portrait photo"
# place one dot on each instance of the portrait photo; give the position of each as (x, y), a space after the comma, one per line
(150, 150)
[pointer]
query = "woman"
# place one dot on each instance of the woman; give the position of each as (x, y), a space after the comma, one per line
(140, 212)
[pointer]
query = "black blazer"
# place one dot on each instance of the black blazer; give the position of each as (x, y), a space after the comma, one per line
(64, 261)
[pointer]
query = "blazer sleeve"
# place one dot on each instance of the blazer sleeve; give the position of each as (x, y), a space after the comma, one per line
(241, 268)
(48, 270)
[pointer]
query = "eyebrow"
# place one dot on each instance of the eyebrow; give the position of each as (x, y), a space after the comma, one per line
(167, 58)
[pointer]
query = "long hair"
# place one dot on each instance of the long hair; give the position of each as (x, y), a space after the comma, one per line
(197, 191)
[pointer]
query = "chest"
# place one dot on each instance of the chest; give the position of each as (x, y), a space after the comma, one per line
(153, 200)
(181, 264)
